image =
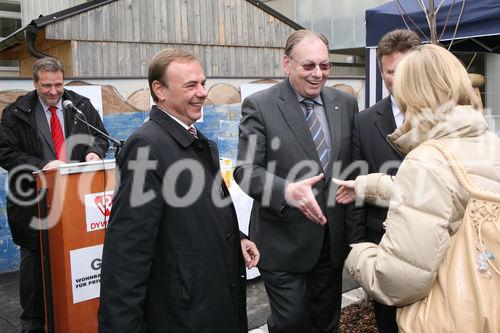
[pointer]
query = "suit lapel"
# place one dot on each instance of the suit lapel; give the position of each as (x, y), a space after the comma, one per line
(183, 137)
(212, 148)
(43, 126)
(69, 122)
(385, 122)
(333, 113)
(294, 116)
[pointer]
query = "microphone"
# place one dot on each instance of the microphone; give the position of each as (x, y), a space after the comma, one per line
(67, 104)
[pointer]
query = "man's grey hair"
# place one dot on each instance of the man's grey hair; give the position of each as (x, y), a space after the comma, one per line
(48, 64)
(299, 35)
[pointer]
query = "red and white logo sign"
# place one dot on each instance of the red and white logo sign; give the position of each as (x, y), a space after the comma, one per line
(98, 209)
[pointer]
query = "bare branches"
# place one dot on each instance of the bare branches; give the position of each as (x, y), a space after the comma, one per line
(472, 60)
(403, 13)
(447, 18)
(456, 26)
(431, 19)
(439, 6)
(430, 16)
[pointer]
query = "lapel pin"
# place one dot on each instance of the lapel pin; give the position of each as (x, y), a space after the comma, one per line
(337, 107)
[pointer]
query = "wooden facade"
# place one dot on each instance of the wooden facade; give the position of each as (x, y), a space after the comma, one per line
(31, 9)
(232, 38)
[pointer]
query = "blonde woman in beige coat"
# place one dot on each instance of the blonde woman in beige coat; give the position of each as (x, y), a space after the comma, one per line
(426, 202)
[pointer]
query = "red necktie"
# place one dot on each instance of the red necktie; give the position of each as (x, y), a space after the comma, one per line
(57, 135)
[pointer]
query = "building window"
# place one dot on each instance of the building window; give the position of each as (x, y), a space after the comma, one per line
(8, 25)
(10, 21)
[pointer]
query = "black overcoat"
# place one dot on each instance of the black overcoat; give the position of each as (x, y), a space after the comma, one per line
(172, 259)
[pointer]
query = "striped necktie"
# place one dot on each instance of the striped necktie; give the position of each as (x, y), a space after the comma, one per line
(192, 130)
(317, 133)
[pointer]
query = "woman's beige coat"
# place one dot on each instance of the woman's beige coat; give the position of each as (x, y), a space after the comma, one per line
(426, 205)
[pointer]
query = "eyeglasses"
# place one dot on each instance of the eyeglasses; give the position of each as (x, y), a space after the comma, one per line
(310, 66)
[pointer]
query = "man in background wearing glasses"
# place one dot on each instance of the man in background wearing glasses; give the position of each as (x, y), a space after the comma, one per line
(292, 138)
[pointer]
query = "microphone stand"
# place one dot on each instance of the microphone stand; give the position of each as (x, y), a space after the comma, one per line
(117, 144)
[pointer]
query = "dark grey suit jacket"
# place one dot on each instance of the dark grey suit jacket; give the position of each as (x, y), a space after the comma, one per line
(370, 145)
(276, 147)
(43, 129)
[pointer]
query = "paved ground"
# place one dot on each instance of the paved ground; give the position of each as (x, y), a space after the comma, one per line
(257, 302)
(9, 303)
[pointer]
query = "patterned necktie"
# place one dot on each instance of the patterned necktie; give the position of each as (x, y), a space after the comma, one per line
(192, 130)
(317, 133)
(57, 135)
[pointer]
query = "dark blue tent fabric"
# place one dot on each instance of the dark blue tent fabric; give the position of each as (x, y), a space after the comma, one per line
(480, 18)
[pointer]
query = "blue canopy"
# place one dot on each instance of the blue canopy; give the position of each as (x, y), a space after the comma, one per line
(478, 31)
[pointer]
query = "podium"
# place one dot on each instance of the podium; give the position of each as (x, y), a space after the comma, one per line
(74, 206)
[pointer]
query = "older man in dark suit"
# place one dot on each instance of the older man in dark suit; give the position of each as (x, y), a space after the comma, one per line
(293, 137)
(172, 259)
(370, 146)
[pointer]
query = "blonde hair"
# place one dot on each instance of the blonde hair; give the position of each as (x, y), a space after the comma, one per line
(429, 82)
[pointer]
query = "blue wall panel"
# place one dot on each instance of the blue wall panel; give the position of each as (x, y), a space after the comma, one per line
(220, 125)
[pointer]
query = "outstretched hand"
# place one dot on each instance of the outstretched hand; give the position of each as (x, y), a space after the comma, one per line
(300, 194)
(346, 193)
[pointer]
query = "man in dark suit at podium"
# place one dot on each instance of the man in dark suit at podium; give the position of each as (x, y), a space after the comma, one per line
(34, 133)
(172, 259)
(371, 128)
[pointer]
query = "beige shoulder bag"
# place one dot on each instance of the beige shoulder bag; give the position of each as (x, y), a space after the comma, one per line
(466, 294)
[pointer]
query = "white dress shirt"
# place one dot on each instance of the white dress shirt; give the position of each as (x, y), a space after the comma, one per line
(59, 113)
(398, 116)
